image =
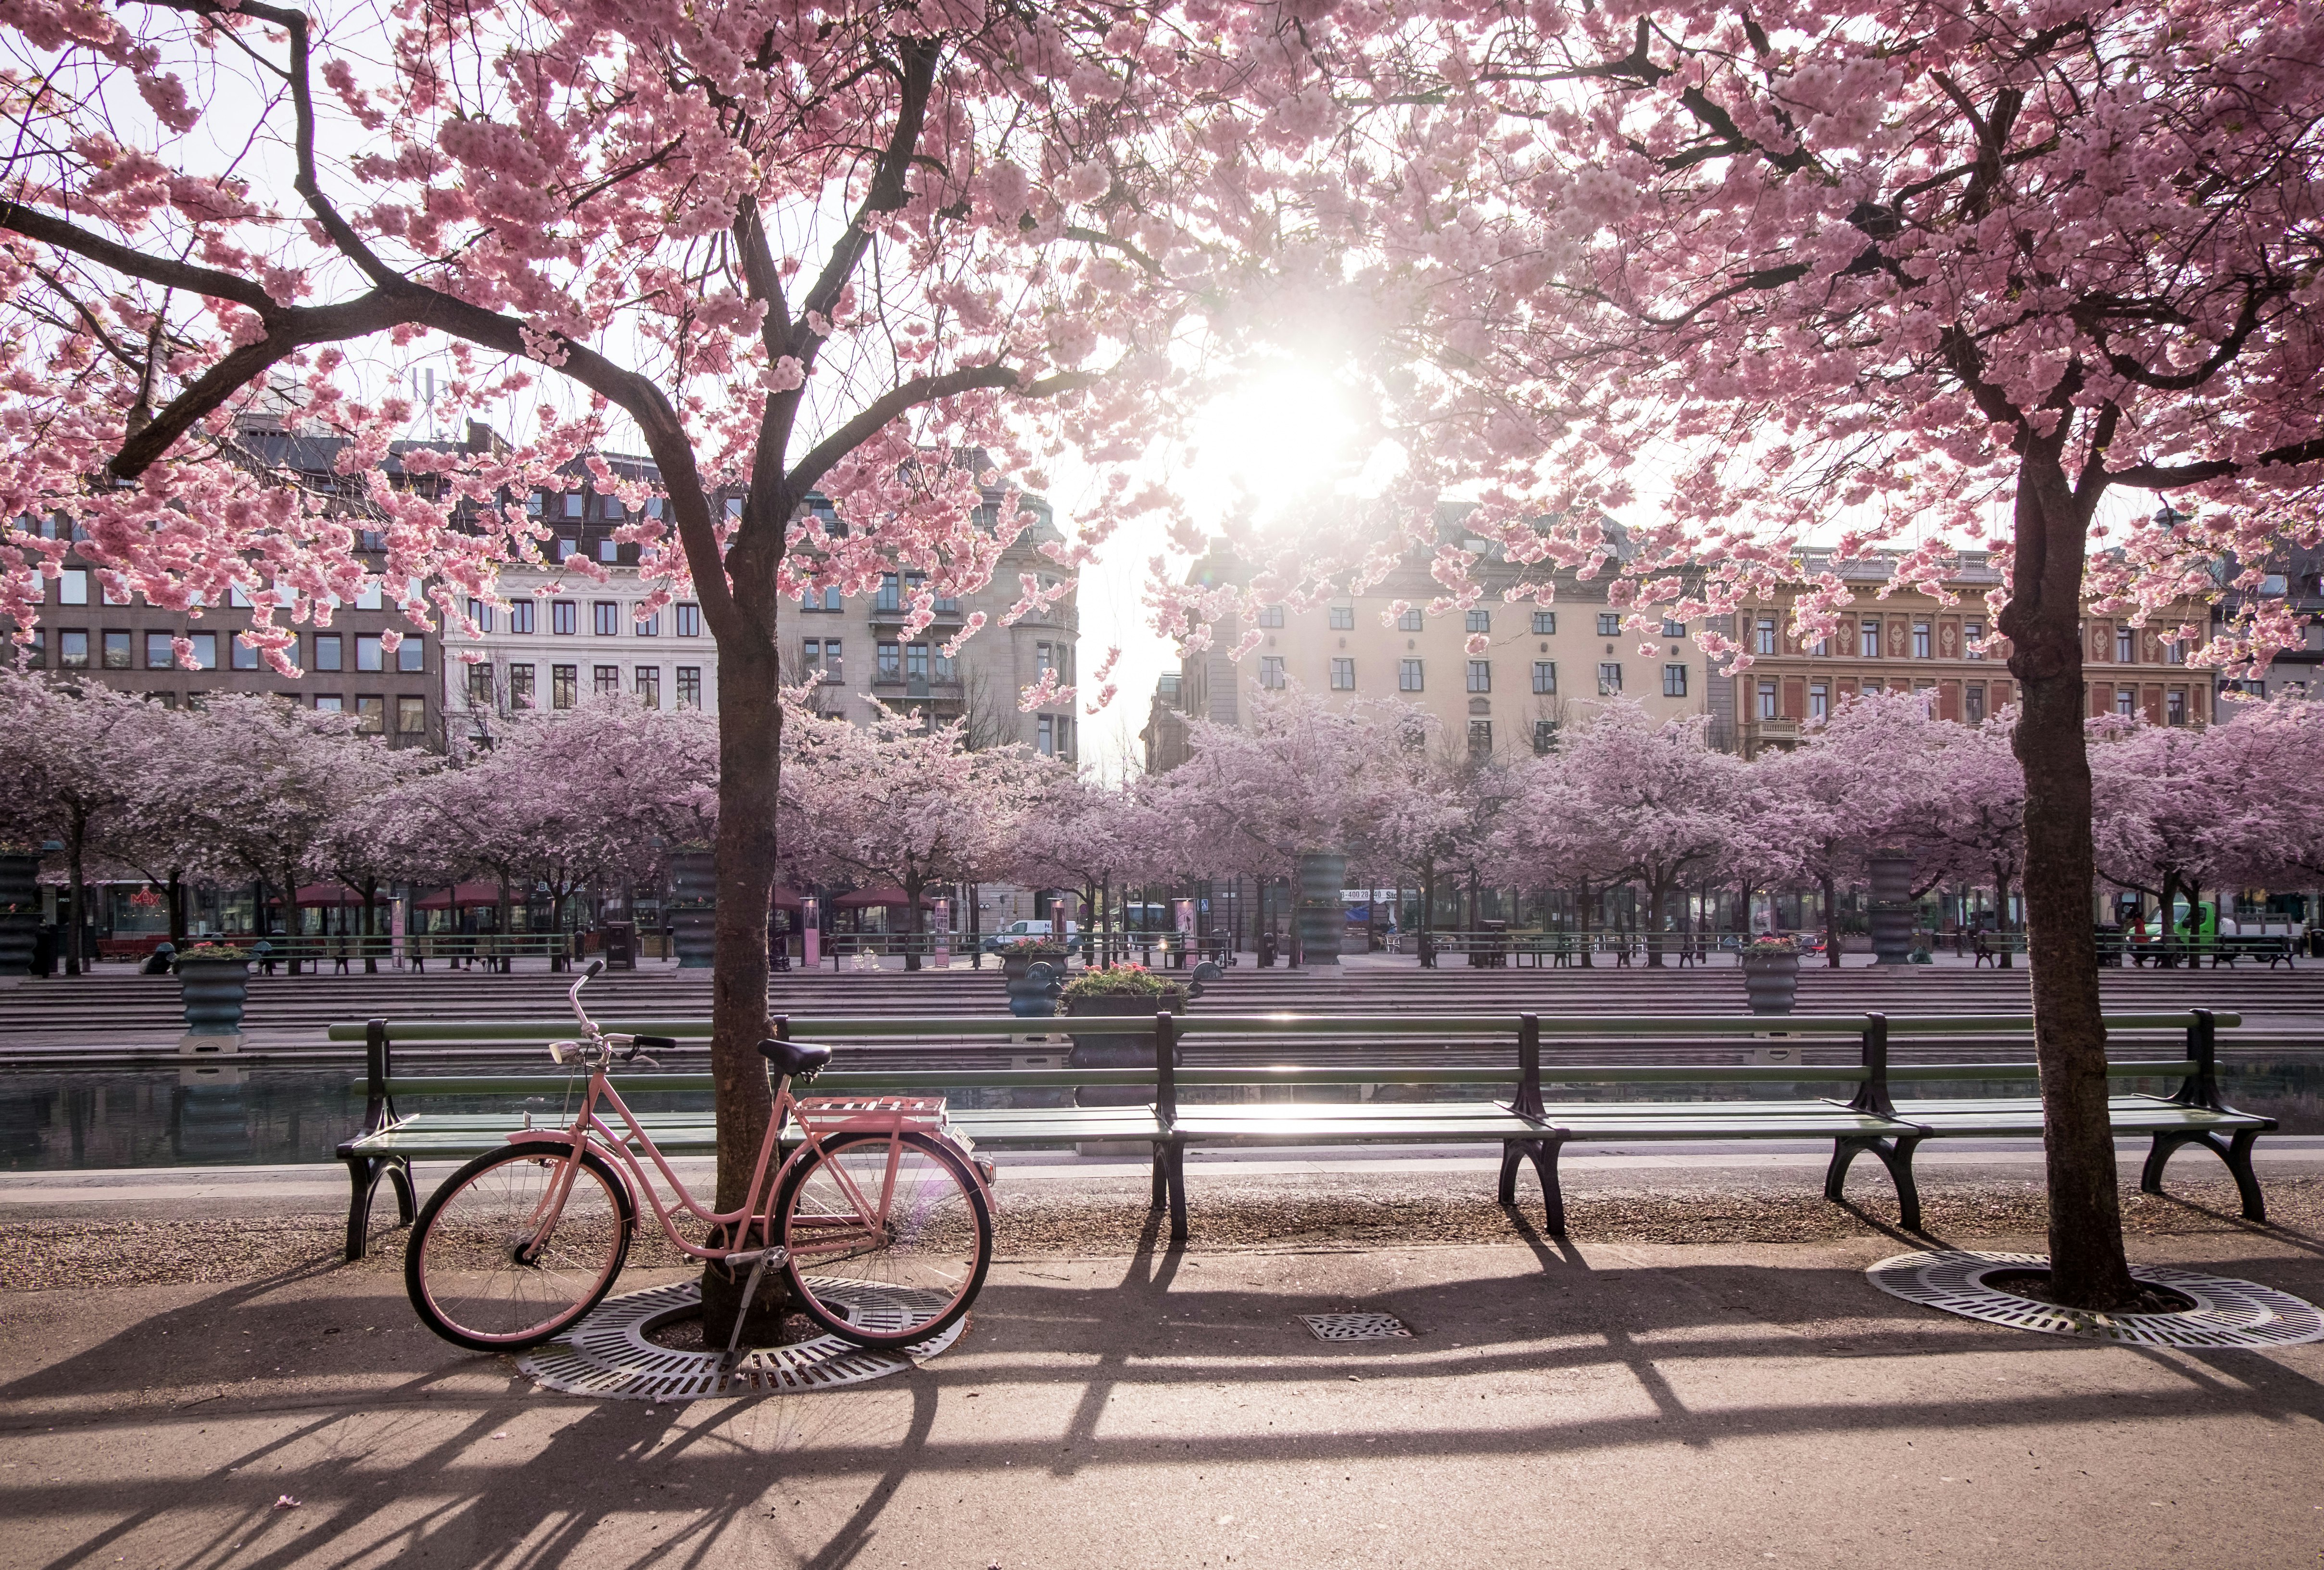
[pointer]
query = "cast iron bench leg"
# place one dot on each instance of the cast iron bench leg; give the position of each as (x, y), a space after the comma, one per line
(2235, 1151)
(1896, 1154)
(1543, 1154)
(364, 1173)
(1161, 1175)
(1177, 1191)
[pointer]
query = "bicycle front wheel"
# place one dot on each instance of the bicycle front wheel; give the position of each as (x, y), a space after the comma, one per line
(911, 1267)
(489, 1268)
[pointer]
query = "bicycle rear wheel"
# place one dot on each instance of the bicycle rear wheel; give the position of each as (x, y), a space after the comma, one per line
(473, 1270)
(898, 1281)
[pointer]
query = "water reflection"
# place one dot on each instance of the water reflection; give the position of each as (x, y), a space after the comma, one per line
(228, 1115)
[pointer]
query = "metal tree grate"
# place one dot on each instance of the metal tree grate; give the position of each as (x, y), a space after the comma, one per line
(2226, 1313)
(1356, 1327)
(607, 1354)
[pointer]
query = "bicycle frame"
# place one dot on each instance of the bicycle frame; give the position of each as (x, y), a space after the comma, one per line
(893, 1116)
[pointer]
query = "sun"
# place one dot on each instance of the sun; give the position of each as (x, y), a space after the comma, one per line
(1278, 436)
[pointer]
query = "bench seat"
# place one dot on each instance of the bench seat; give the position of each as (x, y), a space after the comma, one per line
(1998, 1117)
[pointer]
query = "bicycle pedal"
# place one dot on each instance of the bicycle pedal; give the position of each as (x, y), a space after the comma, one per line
(774, 1257)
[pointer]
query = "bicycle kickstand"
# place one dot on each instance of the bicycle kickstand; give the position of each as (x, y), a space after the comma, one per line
(728, 1363)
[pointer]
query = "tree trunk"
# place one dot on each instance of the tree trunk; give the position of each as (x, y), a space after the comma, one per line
(2043, 624)
(177, 910)
(1830, 887)
(915, 926)
(749, 751)
(290, 912)
(1656, 892)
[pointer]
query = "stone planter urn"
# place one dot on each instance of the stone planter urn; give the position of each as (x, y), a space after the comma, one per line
(1033, 985)
(694, 908)
(1323, 920)
(215, 992)
(1771, 982)
(19, 912)
(1119, 1052)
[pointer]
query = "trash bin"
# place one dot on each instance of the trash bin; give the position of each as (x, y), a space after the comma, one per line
(621, 945)
(1267, 948)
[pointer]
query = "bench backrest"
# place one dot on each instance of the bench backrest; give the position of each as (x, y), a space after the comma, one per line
(1871, 1073)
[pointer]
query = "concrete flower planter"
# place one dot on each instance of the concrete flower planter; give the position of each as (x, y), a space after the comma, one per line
(19, 912)
(215, 992)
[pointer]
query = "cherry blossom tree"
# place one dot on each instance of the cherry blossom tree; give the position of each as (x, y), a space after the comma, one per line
(1889, 272)
(1075, 832)
(882, 252)
(898, 802)
(2268, 774)
(1976, 819)
(2164, 804)
(1862, 779)
(1625, 799)
(76, 758)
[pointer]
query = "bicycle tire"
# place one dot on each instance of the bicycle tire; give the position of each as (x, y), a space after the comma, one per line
(442, 1252)
(949, 1243)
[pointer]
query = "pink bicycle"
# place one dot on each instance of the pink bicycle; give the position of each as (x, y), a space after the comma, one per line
(522, 1241)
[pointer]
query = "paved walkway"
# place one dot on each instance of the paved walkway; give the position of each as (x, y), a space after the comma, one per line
(1584, 1404)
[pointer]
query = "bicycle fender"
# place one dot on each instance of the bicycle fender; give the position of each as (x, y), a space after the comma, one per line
(548, 1136)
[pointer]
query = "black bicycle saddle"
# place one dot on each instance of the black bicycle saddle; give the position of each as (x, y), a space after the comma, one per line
(797, 1059)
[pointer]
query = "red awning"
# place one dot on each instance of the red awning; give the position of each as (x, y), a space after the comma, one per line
(864, 899)
(469, 895)
(785, 900)
(313, 894)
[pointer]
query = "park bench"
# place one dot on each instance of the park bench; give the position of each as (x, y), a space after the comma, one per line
(1529, 1128)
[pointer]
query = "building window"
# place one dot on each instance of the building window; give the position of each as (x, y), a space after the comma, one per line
(1481, 676)
(891, 597)
(2126, 646)
(566, 550)
(1545, 676)
(1609, 623)
(689, 621)
(330, 654)
(1270, 616)
(564, 618)
(650, 626)
(1869, 645)
(690, 686)
(72, 648)
(2175, 652)
(1408, 621)
(1480, 620)
(1343, 676)
(1480, 738)
(1343, 618)
(609, 550)
(650, 685)
(116, 654)
(481, 613)
(1765, 643)
(1769, 708)
(1973, 703)
(72, 586)
(1407, 676)
(371, 716)
(1545, 624)
(1923, 644)
(1545, 735)
(608, 680)
(480, 686)
(1270, 670)
(1053, 736)
(831, 666)
(606, 617)
(116, 596)
(1673, 681)
(410, 717)
(889, 663)
(2174, 707)
(564, 686)
(2125, 702)
(411, 654)
(916, 662)
(370, 654)
(1973, 640)
(159, 655)
(521, 616)
(1674, 629)
(243, 655)
(811, 657)
(330, 703)
(520, 686)
(1609, 680)
(204, 649)
(573, 504)
(1819, 700)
